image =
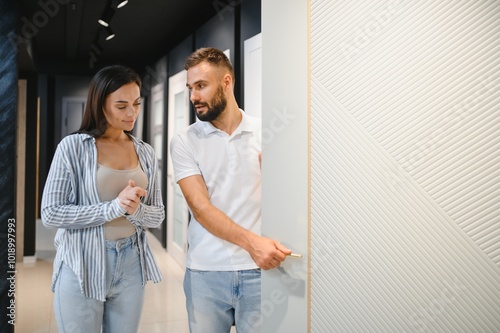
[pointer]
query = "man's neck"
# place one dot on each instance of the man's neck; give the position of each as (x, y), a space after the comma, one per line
(229, 120)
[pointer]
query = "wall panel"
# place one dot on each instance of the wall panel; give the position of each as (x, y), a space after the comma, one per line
(405, 194)
(8, 107)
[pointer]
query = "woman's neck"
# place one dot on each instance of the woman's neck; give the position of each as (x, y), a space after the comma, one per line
(114, 136)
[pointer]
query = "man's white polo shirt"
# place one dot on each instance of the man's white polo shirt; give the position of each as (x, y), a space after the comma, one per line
(231, 170)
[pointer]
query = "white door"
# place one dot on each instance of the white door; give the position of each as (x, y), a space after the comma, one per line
(72, 114)
(177, 210)
(156, 137)
(253, 76)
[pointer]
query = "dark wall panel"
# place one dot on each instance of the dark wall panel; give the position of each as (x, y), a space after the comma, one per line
(251, 25)
(8, 107)
(46, 91)
(228, 29)
(251, 19)
(30, 194)
(218, 32)
(154, 75)
(221, 32)
(178, 55)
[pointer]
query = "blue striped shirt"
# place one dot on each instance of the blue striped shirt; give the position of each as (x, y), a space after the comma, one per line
(71, 203)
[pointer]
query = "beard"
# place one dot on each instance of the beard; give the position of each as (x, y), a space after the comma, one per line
(214, 108)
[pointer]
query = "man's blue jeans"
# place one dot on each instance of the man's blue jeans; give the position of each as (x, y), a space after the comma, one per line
(216, 300)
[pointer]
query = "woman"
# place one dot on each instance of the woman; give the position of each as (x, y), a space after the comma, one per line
(102, 192)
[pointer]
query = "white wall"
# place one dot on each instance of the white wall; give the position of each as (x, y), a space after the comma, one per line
(404, 162)
(405, 140)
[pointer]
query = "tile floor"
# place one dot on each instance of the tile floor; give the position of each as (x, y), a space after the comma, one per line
(163, 311)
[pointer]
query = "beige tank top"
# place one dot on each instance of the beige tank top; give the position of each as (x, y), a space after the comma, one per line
(110, 182)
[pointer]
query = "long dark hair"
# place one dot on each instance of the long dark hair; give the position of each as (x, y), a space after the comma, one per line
(106, 81)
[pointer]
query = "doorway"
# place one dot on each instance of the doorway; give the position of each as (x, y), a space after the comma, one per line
(72, 114)
(177, 210)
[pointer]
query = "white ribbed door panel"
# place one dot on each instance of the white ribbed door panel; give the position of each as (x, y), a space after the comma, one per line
(405, 166)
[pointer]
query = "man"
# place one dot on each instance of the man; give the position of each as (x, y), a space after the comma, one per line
(217, 166)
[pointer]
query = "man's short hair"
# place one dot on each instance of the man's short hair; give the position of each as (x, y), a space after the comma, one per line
(211, 55)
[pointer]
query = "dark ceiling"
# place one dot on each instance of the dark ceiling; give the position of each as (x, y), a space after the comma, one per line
(63, 31)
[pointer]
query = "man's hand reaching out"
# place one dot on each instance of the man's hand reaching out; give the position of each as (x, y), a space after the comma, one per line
(268, 253)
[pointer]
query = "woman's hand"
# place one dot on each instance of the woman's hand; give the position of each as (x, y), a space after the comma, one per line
(130, 198)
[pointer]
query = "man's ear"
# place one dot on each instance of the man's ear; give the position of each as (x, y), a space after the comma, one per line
(228, 81)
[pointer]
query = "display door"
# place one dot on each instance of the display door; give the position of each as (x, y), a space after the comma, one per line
(72, 114)
(156, 137)
(177, 209)
(253, 76)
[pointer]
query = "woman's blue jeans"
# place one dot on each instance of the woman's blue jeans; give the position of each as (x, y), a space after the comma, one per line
(121, 312)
